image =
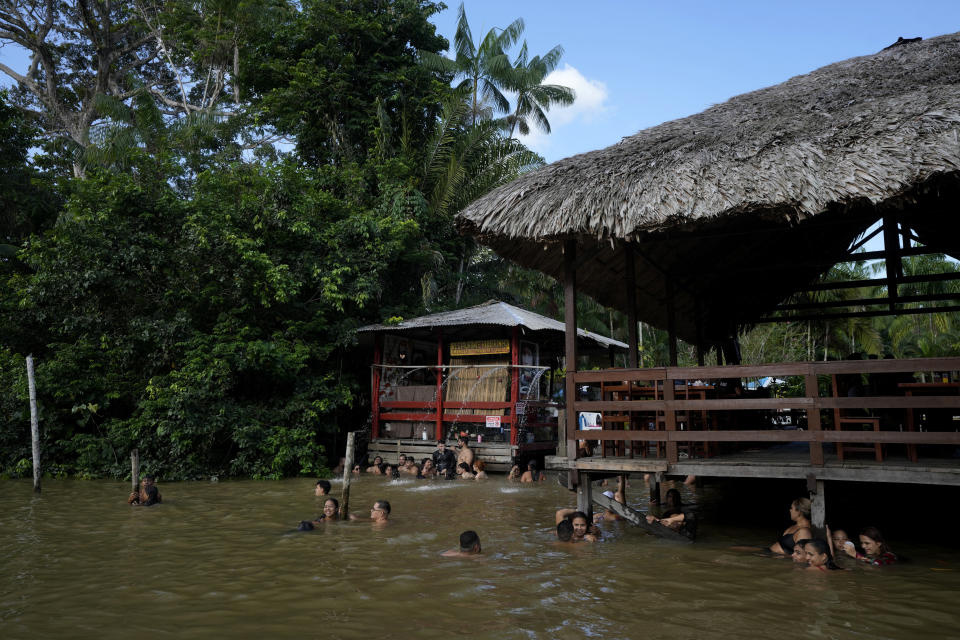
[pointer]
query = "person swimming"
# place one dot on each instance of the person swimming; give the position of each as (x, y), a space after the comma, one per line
(148, 494)
(876, 551)
(800, 514)
(817, 553)
(469, 545)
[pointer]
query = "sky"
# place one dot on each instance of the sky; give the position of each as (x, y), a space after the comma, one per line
(637, 63)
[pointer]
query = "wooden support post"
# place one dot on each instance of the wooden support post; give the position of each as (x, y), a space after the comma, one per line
(891, 259)
(135, 470)
(584, 495)
(813, 419)
(514, 385)
(670, 417)
(671, 325)
(570, 341)
(440, 434)
(34, 424)
(375, 384)
(653, 484)
(701, 348)
(631, 284)
(347, 476)
(818, 507)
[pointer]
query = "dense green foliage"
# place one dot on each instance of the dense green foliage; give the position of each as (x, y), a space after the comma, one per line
(191, 291)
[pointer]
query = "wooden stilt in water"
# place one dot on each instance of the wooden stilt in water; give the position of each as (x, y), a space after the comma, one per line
(818, 508)
(134, 470)
(584, 490)
(347, 476)
(654, 483)
(34, 424)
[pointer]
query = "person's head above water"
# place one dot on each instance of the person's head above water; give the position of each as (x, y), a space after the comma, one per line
(873, 542)
(565, 531)
(800, 507)
(305, 525)
(331, 509)
(799, 554)
(817, 552)
(380, 510)
(673, 500)
(322, 488)
(469, 542)
(580, 523)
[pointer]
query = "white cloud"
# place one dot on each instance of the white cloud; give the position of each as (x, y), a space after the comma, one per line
(591, 102)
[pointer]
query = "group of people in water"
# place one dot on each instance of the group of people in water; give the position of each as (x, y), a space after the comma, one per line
(820, 554)
(444, 463)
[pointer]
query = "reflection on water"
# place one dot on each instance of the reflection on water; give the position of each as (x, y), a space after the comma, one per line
(223, 559)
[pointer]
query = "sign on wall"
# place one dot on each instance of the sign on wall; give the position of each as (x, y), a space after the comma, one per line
(479, 347)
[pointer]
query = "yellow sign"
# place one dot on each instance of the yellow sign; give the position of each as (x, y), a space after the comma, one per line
(479, 347)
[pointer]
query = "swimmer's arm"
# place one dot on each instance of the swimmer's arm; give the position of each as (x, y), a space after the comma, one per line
(562, 514)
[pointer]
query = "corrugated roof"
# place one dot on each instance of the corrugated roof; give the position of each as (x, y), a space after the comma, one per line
(497, 313)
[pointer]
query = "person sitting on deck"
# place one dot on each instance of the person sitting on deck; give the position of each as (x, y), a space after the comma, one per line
(675, 517)
(322, 488)
(444, 460)
(531, 474)
(469, 545)
(582, 529)
(148, 494)
(463, 469)
(376, 467)
(876, 551)
(478, 467)
(465, 453)
(818, 555)
(800, 514)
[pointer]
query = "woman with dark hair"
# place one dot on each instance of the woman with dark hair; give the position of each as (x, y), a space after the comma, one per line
(377, 466)
(876, 551)
(818, 555)
(799, 554)
(531, 474)
(463, 469)
(800, 529)
(331, 511)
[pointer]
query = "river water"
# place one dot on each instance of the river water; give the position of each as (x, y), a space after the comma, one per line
(223, 560)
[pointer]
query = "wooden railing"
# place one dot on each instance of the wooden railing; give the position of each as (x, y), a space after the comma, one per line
(669, 411)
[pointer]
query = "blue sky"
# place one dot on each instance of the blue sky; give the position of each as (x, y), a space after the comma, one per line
(635, 64)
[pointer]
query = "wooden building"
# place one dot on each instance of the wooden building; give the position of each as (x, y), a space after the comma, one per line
(486, 372)
(713, 223)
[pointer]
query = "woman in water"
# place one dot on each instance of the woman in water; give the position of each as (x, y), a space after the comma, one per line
(876, 551)
(800, 529)
(818, 555)
(675, 517)
(376, 467)
(479, 466)
(331, 511)
(799, 554)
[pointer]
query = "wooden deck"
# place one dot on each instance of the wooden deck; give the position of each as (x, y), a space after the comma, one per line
(498, 456)
(782, 462)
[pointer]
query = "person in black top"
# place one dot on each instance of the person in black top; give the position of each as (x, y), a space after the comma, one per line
(444, 460)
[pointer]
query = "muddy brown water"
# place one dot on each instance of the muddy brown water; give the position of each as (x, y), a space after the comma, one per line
(223, 559)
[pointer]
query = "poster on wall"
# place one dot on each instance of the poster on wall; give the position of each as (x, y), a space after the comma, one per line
(529, 377)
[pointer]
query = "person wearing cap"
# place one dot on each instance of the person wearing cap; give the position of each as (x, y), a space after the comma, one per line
(444, 460)
(469, 545)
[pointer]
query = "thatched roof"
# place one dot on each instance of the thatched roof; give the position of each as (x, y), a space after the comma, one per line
(496, 313)
(746, 202)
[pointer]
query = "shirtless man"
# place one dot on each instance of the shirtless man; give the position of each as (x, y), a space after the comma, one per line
(323, 488)
(469, 545)
(427, 470)
(380, 512)
(465, 455)
(531, 474)
(147, 496)
(582, 530)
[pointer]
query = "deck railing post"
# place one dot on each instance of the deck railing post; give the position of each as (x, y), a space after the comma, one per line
(670, 417)
(375, 384)
(812, 391)
(439, 385)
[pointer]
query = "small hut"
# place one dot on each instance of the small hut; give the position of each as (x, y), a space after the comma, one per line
(486, 372)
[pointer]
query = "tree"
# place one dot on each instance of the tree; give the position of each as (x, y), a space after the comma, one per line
(534, 98)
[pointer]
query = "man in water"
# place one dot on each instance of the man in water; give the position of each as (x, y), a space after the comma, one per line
(444, 461)
(469, 545)
(465, 455)
(565, 531)
(323, 488)
(148, 495)
(380, 512)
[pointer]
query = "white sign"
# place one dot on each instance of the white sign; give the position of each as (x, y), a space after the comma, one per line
(493, 422)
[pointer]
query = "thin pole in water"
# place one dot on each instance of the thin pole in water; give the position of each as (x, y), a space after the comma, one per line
(34, 424)
(347, 476)
(134, 469)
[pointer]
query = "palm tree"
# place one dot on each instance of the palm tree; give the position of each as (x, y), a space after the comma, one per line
(484, 70)
(534, 98)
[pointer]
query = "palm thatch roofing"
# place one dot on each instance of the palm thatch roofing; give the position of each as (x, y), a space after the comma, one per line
(741, 205)
(497, 314)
